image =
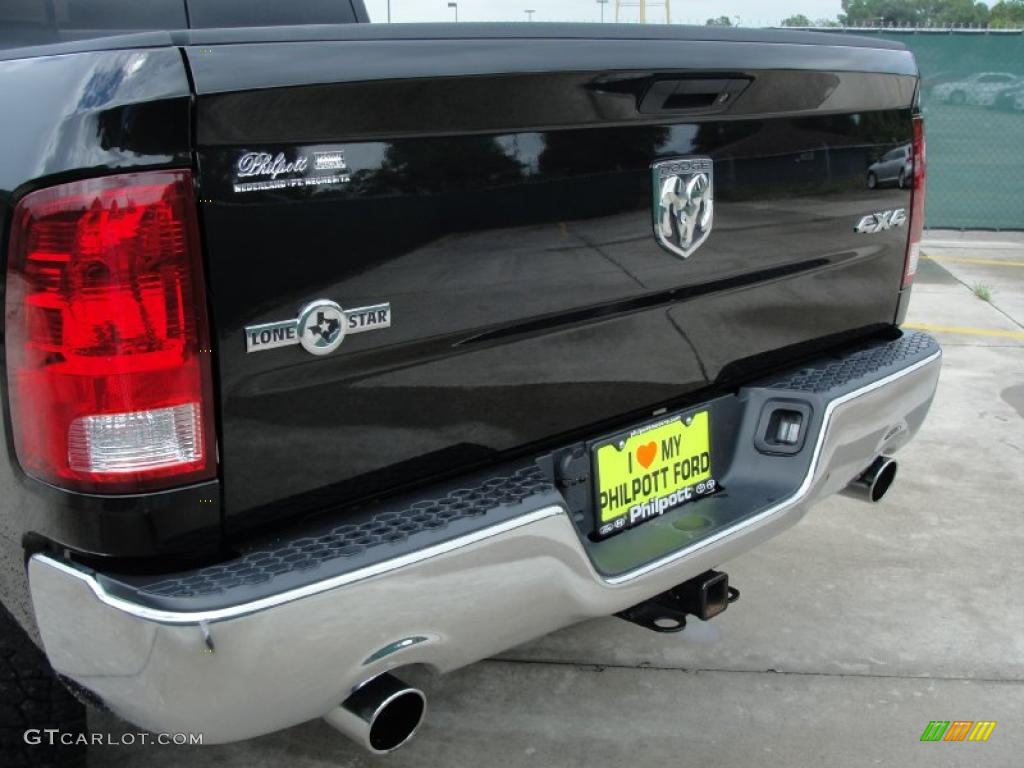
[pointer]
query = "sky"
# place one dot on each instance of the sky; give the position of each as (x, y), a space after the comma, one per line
(750, 12)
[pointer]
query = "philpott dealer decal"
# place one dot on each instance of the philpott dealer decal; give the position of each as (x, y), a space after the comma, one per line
(269, 171)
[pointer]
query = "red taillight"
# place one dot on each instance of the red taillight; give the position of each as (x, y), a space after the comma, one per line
(108, 364)
(916, 204)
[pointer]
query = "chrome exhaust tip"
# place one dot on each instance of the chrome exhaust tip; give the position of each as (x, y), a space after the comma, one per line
(874, 482)
(382, 714)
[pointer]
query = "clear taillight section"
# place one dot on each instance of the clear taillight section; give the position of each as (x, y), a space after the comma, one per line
(108, 362)
(130, 442)
(917, 197)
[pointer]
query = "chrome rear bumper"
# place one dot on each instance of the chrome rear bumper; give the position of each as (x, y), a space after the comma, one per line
(243, 670)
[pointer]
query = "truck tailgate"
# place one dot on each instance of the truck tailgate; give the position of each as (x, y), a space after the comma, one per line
(496, 189)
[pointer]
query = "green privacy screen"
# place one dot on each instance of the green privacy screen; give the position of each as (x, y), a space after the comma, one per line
(972, 97)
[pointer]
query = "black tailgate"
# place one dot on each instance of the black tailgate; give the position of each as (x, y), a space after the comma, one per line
(496, 190)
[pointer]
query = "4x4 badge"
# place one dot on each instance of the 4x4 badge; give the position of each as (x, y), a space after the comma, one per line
(881, 221)
(320, 327)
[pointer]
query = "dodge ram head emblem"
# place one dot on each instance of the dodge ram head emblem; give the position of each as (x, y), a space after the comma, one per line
(684, 204)
(320, 328)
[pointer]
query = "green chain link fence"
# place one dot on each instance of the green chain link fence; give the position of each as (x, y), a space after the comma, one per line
(972, 97)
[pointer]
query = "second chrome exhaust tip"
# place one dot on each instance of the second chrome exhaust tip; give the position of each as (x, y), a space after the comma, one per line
(382, 714)
(875, 481)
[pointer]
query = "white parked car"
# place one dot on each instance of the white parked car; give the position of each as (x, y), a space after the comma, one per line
(979, 89)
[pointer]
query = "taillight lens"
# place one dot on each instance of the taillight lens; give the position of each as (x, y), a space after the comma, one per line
(108, 364)
(917, 197)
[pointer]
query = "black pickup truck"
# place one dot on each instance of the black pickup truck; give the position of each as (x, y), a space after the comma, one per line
(338, 349)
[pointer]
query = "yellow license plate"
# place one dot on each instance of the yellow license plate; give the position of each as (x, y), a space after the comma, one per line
(651, 470)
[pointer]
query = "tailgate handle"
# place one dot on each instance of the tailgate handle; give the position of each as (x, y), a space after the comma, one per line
(692, 95)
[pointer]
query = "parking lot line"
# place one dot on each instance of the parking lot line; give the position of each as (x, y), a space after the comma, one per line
(932, 327)
(969, 260)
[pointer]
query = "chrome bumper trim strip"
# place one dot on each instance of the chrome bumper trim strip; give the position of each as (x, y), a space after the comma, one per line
(179, 617)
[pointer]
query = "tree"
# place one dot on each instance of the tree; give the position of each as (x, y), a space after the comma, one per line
(879, 12)
(1007, 14)
(947, 13)
(721, 21)
(924, 13)
(796, 21)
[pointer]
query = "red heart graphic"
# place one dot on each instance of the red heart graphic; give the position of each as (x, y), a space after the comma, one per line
(645, 454)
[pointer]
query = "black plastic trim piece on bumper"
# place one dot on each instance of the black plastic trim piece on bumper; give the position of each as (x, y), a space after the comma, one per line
(839, 374)
(331, 549)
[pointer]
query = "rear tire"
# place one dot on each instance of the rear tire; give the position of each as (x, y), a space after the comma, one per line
(31, 696)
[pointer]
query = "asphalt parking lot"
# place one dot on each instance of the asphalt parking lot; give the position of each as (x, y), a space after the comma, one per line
(855, 629)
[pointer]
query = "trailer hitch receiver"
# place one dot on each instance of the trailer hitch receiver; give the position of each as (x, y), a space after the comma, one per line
(703, 596)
